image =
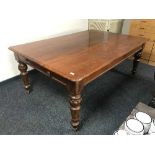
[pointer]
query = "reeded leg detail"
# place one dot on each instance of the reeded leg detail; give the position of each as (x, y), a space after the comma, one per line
(75, 102)
(24, 74)
(136, 60)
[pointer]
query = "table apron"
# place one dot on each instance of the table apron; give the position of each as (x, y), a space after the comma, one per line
(43, 70)
(100, 72)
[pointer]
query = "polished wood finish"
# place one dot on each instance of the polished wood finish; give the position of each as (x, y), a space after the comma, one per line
(75, 60)
(24, 74)
(145, 28)
(75, 102)
(136, 60)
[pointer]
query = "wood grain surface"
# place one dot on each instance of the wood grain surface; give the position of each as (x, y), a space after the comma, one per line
(80, 55)
(75, 60)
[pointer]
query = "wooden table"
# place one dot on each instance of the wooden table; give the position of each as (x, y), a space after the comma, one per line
(75, 60)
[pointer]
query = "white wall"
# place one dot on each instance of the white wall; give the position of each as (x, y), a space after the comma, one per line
(18, 27)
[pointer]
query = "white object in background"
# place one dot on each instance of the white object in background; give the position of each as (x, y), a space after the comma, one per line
(152, 128)
(113, 25)
(134, 127)
(120, 132)
(145, 119)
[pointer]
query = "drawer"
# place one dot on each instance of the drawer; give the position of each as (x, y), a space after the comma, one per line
(149, 36)
(147, 22)
(143, 22)
(143, 27)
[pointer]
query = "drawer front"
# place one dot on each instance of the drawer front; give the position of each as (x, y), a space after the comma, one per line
(149, 36)
(143, 28)
(143, 22)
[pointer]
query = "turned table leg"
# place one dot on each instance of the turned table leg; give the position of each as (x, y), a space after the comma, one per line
(136, 60)
(75, 102)
(24, 74)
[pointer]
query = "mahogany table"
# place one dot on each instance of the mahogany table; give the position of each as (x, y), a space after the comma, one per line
(75, 60)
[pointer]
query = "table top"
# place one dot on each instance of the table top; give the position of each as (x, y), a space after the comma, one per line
(80, 55)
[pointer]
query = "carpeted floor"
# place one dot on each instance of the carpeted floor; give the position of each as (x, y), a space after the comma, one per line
(106, 102)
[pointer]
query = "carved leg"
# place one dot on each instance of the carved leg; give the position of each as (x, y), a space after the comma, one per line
(24, 74)
(75, 102)
(136, 60)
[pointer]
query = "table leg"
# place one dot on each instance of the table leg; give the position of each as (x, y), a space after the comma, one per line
(75, 104)
(24, 74)
(136, 60)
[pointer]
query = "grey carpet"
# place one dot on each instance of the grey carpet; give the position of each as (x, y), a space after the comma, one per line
(107, 101)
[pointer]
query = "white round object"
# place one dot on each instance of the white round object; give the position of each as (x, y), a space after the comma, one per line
(145, 119)
(152, 128)
(120, 132)
(134, 127)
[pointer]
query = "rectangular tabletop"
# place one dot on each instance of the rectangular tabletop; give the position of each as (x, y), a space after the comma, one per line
(80, 56)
